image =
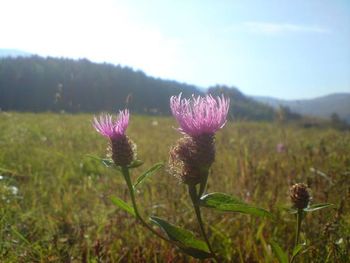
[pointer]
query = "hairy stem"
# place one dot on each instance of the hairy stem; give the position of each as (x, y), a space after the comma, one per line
(203, 186)
(298, 229)
(299, 219)
(125, 172)
(195, 201)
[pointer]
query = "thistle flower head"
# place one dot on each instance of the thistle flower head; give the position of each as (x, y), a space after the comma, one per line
(200, 115)
(110, 128)
(300, 196)
(121, 148)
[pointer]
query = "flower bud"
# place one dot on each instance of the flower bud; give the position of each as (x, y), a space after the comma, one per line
(300, 196)
(122, 150)
(191, 158)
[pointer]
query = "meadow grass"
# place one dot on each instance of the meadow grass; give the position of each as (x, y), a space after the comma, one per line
(55, 200)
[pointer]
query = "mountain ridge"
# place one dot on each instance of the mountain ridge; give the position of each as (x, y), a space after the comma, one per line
(322, 106)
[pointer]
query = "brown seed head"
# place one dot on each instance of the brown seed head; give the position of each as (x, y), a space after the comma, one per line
(123, 150)
(191, 158)
(300, 196)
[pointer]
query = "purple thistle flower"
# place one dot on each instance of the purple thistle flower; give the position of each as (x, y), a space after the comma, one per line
(200, 115)
(122, 149)
(112, 129)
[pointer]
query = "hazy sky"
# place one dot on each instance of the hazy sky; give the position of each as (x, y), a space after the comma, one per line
(287, 49)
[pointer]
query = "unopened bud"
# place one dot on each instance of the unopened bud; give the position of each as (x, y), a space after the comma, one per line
(300, 196)
(122, 150)
(191, 158)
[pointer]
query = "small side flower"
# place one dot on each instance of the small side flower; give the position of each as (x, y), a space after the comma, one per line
(122, 149)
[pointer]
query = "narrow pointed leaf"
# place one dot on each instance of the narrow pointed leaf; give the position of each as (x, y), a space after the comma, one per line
(135, 164)
(278, 251)
(203, 185)
(297, 250)
(227, 203)
(121, 204)
(106, 162)
(315, 207)
(148, 173)
(292, 210)
(185, 239)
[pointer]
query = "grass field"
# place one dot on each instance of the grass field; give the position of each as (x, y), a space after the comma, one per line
(55, 200)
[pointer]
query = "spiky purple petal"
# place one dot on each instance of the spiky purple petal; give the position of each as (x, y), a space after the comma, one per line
(200, 115)
(106, 126)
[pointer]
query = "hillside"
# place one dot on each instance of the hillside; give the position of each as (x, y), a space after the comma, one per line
(55, 84)
(40, 84)
(321, 107)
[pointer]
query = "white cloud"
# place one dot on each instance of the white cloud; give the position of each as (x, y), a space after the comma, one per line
(279, 28)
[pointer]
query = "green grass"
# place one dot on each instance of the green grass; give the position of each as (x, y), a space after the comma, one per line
(62, 210)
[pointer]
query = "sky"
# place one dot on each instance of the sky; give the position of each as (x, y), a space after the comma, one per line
(281, 48)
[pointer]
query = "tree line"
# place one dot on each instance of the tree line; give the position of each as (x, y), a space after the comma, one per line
(38, 84)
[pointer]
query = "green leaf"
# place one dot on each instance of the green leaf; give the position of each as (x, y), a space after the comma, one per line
(227, 203)
(148, 173)
(315, 207)
(278, 251)
(135, 164)
(184, 239)
(297, 250)
(20, 236)
(106, 162)
(121, 204)
(292, 210)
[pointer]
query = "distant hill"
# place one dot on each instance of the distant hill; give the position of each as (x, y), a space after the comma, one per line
(59, 84)
(13, 53)
(320, 107)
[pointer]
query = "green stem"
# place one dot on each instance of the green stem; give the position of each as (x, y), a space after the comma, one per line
(125, 172)
(299, 219)
(195, 200)
(298, 229)
(203, 185)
